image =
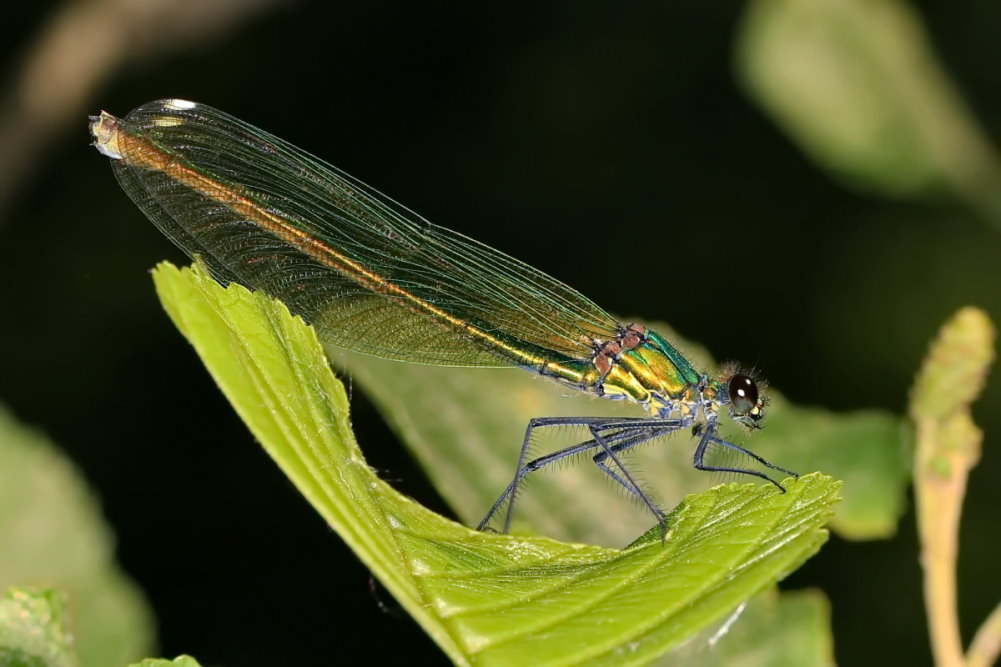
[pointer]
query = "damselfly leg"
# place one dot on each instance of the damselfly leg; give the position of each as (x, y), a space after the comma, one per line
(609, 436)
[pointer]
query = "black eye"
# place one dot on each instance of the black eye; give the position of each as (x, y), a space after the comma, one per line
(743, 394)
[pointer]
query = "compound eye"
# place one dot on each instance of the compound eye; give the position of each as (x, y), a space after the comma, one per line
(743, 394)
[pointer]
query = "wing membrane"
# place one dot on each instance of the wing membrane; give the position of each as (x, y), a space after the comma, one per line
(371, 275)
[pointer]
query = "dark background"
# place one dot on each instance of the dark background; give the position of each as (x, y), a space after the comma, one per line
(608, 146)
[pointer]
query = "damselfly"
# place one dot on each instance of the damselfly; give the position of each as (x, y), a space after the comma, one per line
(374, 277)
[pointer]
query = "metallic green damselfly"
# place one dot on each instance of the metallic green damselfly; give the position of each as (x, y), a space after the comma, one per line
(374, 277)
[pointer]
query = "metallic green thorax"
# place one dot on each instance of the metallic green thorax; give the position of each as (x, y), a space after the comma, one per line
(653, 374)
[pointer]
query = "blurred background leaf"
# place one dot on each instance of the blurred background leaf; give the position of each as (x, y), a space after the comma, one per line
(80, 47)
(789, 629)
(52, 534)
(857, 84)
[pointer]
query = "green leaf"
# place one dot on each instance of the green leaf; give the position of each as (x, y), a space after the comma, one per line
(52, 534)
(777, 630)
(465, 426)
(483, 597)
(180, 661)
(856, 83)
(34, 631)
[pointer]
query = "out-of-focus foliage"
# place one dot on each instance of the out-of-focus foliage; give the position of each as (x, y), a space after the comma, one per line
(35, 630)
(948, 447)
(857, 84)
(791, 629)
(52, 535)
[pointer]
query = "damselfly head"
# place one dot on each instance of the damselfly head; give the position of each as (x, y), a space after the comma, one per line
(746, 396)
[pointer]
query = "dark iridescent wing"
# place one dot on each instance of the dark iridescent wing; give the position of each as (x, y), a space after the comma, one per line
(370, 274)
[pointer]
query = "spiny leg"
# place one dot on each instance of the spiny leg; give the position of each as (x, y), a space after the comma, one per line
(639, 434)
(626, 426)
(709, 435)
(622, 434)
(622, 429)
(522, 469)
(759, 459)
(626, 479)
(600, 458)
